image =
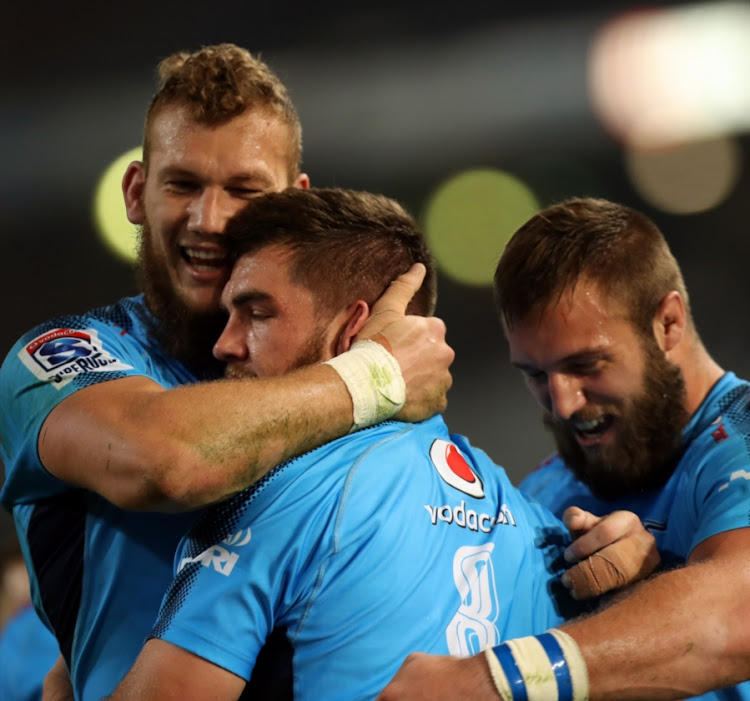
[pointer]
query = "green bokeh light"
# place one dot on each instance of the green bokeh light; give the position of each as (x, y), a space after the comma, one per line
(110, 219)
(469, 219)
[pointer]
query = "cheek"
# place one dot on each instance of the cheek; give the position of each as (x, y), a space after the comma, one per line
(260, 345)
(616, 387)
(164, 212)
(538, 391)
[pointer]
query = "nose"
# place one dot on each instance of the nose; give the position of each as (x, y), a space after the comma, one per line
(209, 212)
(230, 346)
(566, 395)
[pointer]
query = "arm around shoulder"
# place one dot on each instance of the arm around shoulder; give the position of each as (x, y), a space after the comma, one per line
(145, 447)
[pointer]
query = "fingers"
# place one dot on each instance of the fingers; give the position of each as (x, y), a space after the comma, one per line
(578, 522)
(592, 533)
(611, 552)
(614, 567)
(418, 344)
(399, 293)
(424, 357)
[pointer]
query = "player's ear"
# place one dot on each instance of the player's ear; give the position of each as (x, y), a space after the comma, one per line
(356, 316)
(302, 181)
(133, 183)
(670, 321)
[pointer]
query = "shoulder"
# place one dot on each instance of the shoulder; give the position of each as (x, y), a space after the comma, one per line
(555, 486)
(548, 474)
(719, 434)
(77, 350)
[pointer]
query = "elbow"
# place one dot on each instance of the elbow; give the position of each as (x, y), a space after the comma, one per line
(186, 480)
(167, 479)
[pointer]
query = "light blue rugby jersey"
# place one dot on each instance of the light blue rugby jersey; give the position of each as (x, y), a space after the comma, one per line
(394, 539)
(98, 573)
(27, 652)
(708, 493)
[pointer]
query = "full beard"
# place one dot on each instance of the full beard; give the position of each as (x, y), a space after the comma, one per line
(647, 447)
(183, 333)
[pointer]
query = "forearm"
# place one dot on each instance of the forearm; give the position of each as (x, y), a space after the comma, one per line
(234, 432)
(680, 634)
(144, 447)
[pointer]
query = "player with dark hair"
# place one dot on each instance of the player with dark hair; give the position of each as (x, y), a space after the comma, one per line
(317, 581)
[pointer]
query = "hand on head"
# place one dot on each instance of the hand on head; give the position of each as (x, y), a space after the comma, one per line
(418, 344)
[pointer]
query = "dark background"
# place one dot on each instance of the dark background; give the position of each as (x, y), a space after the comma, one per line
(393, 97)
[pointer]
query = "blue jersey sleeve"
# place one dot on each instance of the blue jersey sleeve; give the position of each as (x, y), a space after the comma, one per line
(43, 368)
(243, 563)
(718, 467)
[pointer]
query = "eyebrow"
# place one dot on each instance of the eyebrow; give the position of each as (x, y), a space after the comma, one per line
(246, 297)
(583, 357)
(260, 176)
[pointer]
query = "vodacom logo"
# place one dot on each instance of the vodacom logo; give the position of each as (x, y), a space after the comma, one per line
(453, 468)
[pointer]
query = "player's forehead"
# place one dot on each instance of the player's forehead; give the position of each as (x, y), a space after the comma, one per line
(584, 319)
(254, 143)
(266, 270)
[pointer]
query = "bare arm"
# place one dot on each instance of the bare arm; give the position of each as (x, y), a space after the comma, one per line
(681, 633)
(165, 671)
(57, 686)
(144, 447)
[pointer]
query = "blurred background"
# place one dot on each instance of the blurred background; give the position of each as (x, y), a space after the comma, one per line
(472, 114)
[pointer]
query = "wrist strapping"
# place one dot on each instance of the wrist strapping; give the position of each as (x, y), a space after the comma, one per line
(547, 667)
(373, 377)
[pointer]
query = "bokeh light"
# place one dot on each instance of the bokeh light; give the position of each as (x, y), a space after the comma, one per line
(110, 219)
(686, 179)
(469, 218)
(663, 76)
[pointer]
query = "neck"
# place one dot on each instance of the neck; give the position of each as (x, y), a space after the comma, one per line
(700, 370)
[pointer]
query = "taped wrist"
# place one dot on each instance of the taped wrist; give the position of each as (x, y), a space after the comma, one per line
(373, 377)
(547, 667)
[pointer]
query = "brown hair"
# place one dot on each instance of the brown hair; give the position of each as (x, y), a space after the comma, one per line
(218, 83)
(345, 245)
(617, 248)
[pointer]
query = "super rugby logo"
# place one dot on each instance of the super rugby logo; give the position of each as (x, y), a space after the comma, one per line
(454, 469)
(59, 355)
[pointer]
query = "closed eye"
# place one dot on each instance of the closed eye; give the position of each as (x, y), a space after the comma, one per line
(181, 186)
(244, 192)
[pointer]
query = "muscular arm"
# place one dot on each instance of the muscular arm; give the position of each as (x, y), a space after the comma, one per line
(144, 447)
(681, 633)
(165, 671)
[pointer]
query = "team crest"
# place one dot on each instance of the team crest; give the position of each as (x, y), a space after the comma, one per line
(62, 354)
(454, 469)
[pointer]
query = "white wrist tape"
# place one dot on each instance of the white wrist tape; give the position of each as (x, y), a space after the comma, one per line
(373, 377)
(547, 667)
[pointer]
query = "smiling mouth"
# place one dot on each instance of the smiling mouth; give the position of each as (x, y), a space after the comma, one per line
(204, 261)
(592, 429)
